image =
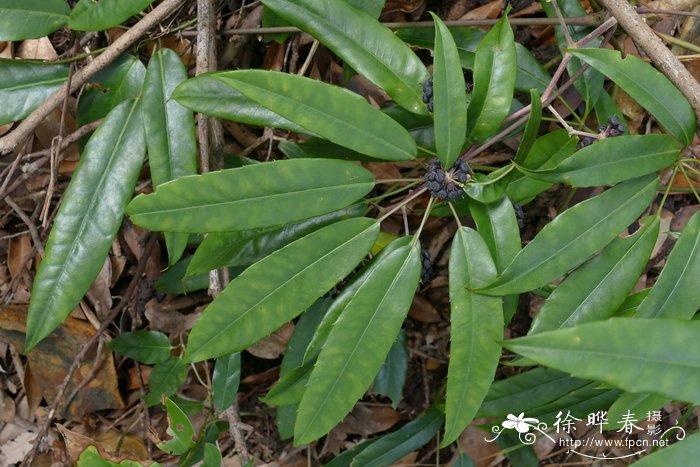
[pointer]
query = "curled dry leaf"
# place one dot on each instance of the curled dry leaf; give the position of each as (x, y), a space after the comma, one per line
(52, 357)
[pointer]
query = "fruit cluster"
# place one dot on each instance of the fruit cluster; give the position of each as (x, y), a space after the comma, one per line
(446, 185)
(613, 128)
(428, 93)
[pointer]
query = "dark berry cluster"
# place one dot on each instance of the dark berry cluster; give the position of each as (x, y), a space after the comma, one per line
(446, 185)
(426, 273)
(613, 128)
(428, 93)
(519, 215)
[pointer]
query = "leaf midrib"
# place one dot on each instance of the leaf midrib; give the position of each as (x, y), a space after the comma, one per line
(33, 84)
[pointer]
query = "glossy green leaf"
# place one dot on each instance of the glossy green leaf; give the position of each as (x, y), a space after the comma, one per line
(88, 219)
(26, 85)
(31, 19)
(410, 437)
(294, 357)
(648, 86)
(495, 67)
(212, 456)
(243, 248)
(476, 328)
(170, 134)
(660, 356)
(175, 281)
(631, 303)
(360, 41)
(334, 113)
(165, 379)
(279, 287)
(530, 73)
(290, 388)
(546, 152)
(612, 160)
(676, 293)
(634, 402)
(90, 457)
(121, 80)
(340, 303)
(392, 375)
(487, 188)
(91, 15)
(450, 108)
(677, 454)
(598, 288)
(358, 343)
(531, 128)
(207, 95)
(590, 85)
(180, 428)
(574, 236)
(225, 380)
(252, 197)
(143, 346)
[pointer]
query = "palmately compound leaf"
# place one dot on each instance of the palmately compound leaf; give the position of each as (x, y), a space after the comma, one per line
(279, 287)
(367, 46)
(334, 113)
(88, 219)
(476, 327)
(660, 356)
(575, 235)
(170, 134)
(358, 343)
(252, 197)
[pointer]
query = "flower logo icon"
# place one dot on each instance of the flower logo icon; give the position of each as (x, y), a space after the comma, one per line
(521, 423)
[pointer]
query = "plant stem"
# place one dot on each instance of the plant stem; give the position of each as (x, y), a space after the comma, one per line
(400, 204)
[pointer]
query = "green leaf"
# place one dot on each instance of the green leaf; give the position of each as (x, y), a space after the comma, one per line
(450, 108)
(410, 437)
(546, 152)
(252, 197)
(676, 454)
(88, 219)
(392, 375)
(243, 248)
(121, 80)
(170, 134)
(676, 293)
(476, 328)
(91, 15)
(531, 128)
(360, 41)
(358, 343)
(90, 457)
(636, 404)
(180, 428)
(612, 160)
(290, 388)
(337, 308)
(225, 380)
(31, 19)
(165, 379)
(207, 95)
(530, 74)
(294, 357)
(575, 235)
(598, 288)
(212, 456)
(639, 355)
(648, 86)
(174, 281)
(486, 188)
(494, 81)
(26, 85)
(143, 346)
(279, 287)
(334, 113)
(629, 306)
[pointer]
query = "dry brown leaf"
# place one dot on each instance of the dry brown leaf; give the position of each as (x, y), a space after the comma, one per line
(17, 252)
(76, 443)
(13, 451)
(52, 357)
(165, 317)
(682, 217)
(133, 383)
(273, 345)
(490, 10)
(473, 443)
(47, 131)
(5, 128)
(32, 388)
(422, 310)
(383, 171)
(7, 408)
(37, 49)
(99, 293)
(7, 52)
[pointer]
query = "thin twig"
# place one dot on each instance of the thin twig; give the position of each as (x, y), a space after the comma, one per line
(33, 232)
(126, 299)
(26, 128)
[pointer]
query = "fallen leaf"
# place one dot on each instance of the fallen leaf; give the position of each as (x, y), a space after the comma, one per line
(37, 49)
(76, 443)
(13, 451)
(165, 317)
(490, 10)
(51, 358)
(19, 248)
(273, 345)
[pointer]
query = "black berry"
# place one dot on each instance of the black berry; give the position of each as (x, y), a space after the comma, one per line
(446, 185)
